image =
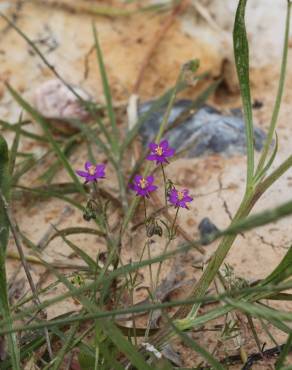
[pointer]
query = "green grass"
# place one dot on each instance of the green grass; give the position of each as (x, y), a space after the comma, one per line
(91, 333)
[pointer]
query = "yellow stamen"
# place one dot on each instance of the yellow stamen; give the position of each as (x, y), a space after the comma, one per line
(91, 170)
(180, 195)
(159, 150)
(143, 183)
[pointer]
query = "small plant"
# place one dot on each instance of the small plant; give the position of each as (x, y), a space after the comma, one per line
(94, 336)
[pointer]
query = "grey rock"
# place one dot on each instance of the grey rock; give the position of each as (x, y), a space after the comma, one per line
(207, 229)
(207, 131)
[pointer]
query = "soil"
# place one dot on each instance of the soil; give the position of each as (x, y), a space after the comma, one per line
(216, 183)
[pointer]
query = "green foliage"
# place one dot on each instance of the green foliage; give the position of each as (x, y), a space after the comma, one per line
(4, 234)
(101, 287)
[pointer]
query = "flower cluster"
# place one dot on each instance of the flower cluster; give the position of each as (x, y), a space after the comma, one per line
(143, 186)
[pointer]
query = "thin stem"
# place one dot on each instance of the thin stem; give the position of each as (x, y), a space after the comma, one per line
(164, 180)
(279, 93)
(162, 127)
(166, 247)
(145, 211)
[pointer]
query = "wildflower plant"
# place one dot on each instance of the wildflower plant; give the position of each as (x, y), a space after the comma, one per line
(104, 342)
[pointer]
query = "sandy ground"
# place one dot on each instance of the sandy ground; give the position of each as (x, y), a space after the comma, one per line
(216, 183)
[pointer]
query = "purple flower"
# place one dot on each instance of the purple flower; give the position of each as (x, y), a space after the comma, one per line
(143, 186)
(160, 152)
(93, 172)
(179, 198)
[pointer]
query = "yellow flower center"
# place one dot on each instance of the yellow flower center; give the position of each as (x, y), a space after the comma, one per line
(180, 195)
(143, 183)
(159, 150)
(91, 170)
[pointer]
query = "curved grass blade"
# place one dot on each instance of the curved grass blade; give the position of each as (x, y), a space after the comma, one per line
(4, 234)
(284, 353)
(280, 91)
(14, 148)
(45, 126)
(241, 54)
(262, 172)
(14, 128)
(191, 343)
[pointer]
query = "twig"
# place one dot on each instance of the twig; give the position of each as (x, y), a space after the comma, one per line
(253, 358)
(57, 264)
(17, 238)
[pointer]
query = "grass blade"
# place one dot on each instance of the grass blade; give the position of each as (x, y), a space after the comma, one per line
(14, 148)
(241, 54)
(278, 100)
(197, 348)
(4, 234)
(107, 94)
(281, 360)
(45, 126)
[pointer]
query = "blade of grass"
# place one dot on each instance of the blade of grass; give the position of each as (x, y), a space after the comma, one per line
(44, 194)
(14, 148)
(17, 238)
(281, 360)
(125, 346)
(30, 135)
(279, 95)
(58, 359)
(83, 255)
(45, 126)
(261, 173)
(241, 54)
(107, 94)
(4, 234)
(191, 343)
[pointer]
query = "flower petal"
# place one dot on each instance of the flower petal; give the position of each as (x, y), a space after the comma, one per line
(152, 157)
(150, 179)
(152, 146)
(164, 144)
(151, 188)
(82, 173)
(169, 152)
(87, 165)
(137, 179)
(100, 167)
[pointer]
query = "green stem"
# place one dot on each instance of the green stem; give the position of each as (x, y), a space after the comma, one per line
(279, 93)
(166, 247)
(135, 202)
(164, 180)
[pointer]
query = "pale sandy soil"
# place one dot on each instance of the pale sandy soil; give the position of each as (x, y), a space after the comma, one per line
(216, 183)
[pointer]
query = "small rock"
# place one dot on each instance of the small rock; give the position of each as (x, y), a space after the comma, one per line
(55, 100)
(207, 131)
(207, 228)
